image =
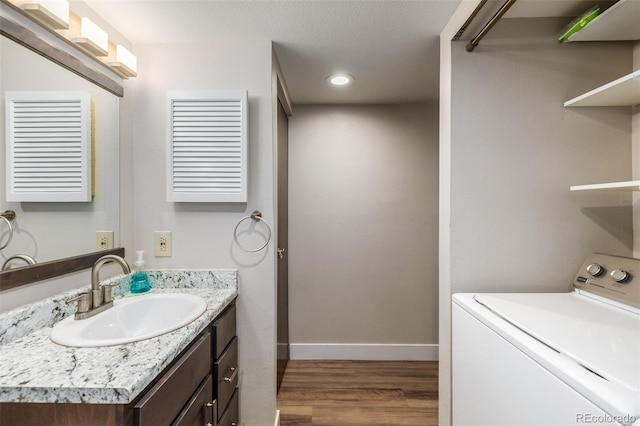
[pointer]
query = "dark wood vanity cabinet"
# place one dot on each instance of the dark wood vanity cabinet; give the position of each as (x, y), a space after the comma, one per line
(173, 396)
(199, 410)
(225, 367)
(199, 388)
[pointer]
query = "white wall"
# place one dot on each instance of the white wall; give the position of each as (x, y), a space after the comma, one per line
(516, 150)
(636, 159)
(363, 232)
(511, 151)
(203, 232)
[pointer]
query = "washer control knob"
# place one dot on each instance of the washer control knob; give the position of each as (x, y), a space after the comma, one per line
(620, 275)
(595, 270)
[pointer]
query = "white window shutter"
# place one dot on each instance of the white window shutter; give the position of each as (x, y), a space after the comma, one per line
(48, 146)
(207, 146)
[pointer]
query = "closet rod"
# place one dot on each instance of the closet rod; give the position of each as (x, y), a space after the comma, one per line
(503, 9)
(471, 17)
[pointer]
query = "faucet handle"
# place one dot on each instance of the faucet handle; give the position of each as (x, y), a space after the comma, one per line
(84, 302)
(106, 291)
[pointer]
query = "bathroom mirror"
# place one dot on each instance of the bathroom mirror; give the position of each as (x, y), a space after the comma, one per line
(49, 230)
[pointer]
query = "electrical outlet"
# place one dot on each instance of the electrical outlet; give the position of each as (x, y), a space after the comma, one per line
(104, 240)
(162, 245)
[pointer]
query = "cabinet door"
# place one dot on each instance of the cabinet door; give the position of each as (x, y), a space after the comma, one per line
(199, 410)
(164, 401)
(231, 417)
(225, 371)
(224, 329)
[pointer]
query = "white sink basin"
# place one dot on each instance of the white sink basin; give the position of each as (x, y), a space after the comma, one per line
(130, 320)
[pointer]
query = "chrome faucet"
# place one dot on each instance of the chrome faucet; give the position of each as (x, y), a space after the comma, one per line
(99, 298)
(97, 292)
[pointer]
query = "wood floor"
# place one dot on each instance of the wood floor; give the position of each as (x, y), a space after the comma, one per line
(340, 393)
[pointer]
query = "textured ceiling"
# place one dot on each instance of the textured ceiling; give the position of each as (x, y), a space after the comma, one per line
(389, 46)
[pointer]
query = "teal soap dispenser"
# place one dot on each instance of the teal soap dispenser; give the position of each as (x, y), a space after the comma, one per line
(140, 279)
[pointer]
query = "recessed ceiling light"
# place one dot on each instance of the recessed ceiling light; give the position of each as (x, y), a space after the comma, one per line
(340, 79)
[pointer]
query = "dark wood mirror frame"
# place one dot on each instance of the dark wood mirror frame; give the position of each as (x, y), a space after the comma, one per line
(21, 276)
(29, 274)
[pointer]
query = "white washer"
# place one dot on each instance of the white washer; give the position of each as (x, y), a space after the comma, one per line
(551, 359)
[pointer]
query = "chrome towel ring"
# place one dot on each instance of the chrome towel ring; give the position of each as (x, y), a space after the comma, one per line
(25, 257)
(8, 216)
(257, 216)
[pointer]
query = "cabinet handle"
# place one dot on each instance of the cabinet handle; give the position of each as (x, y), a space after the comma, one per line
(234, 373)
(214, 406)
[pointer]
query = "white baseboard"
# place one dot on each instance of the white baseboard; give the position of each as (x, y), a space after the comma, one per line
(277, 422)
(364, 351)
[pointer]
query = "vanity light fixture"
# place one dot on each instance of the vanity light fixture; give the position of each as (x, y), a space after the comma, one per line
(340, 79)
(125, 64)
(55, 17)
(92, 38)
(51, 13)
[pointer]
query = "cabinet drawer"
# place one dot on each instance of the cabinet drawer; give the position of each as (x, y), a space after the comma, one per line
(225, 373)
(199, 409)
(164, 401)
(224, 329)
(231, 417)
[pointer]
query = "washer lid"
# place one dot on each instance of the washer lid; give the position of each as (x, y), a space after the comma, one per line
(599, 336)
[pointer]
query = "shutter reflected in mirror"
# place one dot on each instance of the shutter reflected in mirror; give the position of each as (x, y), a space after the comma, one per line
(207, 146)
(48, 146)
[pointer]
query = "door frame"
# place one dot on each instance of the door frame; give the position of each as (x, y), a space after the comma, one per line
(280, 97)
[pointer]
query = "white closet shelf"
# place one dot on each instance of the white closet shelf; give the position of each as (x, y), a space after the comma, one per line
(624, 91)
(633, 185)
(620, 22)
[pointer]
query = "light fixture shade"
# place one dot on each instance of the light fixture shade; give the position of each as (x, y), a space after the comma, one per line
(340, 79)
(52, 13)
(125, 64)
(127, 58)
(92, 38)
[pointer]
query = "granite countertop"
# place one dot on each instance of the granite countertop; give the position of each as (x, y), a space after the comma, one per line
(34, 369)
